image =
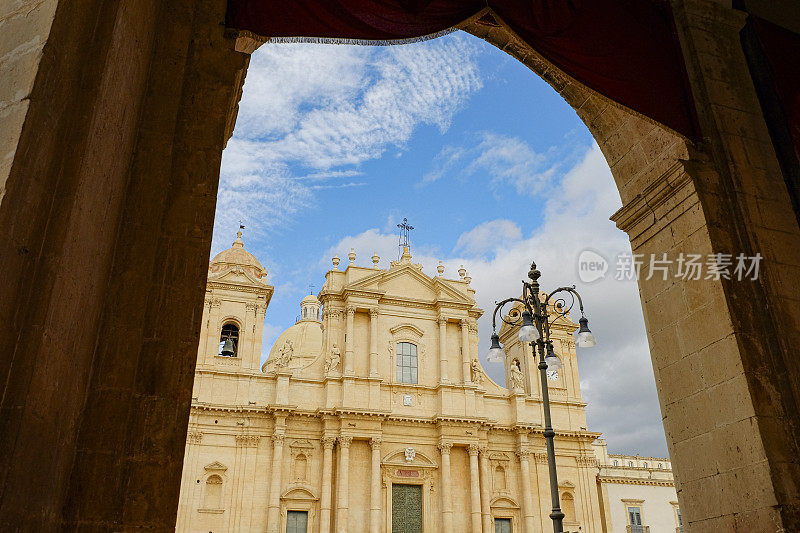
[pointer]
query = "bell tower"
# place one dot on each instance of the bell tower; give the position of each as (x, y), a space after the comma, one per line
(521, 355)
(237, 296)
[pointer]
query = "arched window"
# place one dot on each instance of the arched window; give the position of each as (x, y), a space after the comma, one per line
(499, 478)
(660, 466)
(568, 507)
(229, 331)
(406, 362)
(645, 465)
(616, 463)
(630, 463)
(212, 499)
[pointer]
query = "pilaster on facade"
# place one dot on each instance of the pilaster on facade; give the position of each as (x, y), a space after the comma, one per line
(349, 341)
(443, 377)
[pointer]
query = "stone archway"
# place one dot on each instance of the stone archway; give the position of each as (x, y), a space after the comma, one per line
(109, 189)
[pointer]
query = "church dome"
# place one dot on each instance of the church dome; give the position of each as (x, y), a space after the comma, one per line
(310, 299)
(296, 347)
(299, 345)
(237, 256)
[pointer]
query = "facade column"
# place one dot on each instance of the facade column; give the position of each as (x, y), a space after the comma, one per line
(373, 342)
(349, 342)
(527, 503)
(474, 488)
(274, 508)
(375, 487)
(325, 491)
(465, 358)
(343, 504)
(443, 350)
(486, 504)
(447, 494)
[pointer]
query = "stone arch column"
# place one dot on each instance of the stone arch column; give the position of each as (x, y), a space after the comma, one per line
(131, 91)
(722, 350)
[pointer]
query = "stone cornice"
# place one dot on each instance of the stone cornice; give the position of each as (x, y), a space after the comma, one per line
(265, 290)
(644, 207)
(634, 481)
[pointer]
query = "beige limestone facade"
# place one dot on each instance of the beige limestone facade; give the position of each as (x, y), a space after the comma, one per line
(114, 116)
(637, 493)
(373, 413)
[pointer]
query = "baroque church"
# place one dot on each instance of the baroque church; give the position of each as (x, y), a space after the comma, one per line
(373, 413)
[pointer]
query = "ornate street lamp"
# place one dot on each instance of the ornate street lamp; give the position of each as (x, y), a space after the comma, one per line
(535, 321)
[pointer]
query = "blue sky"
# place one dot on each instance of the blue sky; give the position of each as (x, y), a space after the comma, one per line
(335, 144)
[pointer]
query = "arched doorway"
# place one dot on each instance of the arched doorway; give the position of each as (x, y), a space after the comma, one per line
(106, 221)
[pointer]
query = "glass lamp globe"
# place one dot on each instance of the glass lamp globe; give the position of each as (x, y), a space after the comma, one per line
(553, 362)
(496, 354)
(528, 332)
(584, 338)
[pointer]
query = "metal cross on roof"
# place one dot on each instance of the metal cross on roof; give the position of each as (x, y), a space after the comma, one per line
(310, 288)
(405, 227)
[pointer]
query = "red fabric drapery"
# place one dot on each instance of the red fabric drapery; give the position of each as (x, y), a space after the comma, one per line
(625, 50)
(781, 50)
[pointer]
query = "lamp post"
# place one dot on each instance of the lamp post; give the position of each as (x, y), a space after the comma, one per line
(535, 321)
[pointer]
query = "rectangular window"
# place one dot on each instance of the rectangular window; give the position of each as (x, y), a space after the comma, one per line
(502, 525)
(406, 362)
(635, 519)
(296, 521)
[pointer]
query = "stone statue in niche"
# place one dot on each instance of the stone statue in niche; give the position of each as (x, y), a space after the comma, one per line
(285, 355)
(477, 373)
(410, 454)
(333, 359)
(516, 376)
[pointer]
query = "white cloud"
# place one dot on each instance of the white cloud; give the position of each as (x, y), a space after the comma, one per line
(327, 109)
(616, 376)
(500, 160)
(488, 236)
(443, 162)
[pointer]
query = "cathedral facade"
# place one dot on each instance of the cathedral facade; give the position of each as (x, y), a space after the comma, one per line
(373, 413)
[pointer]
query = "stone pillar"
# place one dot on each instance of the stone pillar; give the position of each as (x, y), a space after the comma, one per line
(527, 502)
(447, 495)
(348, 354)
(375, 487)
(373, 342)
(465, 358)
(474, 488)
(443, 349)
(274, 507)
(325, 490)
(342, 493)
(486, 509)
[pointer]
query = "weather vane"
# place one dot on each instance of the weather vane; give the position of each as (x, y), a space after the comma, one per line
(404, 229)
(310, 288)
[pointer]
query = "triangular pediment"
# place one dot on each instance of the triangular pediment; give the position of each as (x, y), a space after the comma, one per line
(408, 281)
(215, 466)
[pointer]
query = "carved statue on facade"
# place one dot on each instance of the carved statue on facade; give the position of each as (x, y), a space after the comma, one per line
(285, 354)
(477, 373)
(333, 359)
(516, 376)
